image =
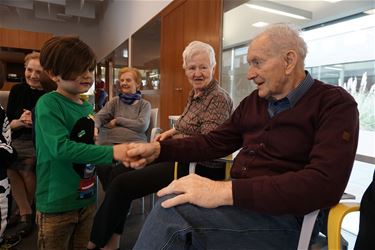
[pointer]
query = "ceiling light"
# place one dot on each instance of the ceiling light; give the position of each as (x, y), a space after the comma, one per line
(125, 53)
(333, 1)
(280, 9)
(332, 68)
(260, 24)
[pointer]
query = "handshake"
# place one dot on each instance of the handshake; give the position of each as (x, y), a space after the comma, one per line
(136, 155)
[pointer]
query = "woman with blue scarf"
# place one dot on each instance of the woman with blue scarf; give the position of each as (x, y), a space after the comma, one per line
(125, 118)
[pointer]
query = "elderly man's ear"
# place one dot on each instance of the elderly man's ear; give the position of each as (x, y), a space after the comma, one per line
(291, 59)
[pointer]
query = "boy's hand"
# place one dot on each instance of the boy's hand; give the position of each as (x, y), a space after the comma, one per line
(140, 154)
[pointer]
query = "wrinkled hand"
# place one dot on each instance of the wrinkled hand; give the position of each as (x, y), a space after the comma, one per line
(111, 124)
(167, 134)
(140, 154)
(120, 152)
(26, 118)
(199, 191)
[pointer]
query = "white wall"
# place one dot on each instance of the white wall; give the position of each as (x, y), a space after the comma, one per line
(121, 19)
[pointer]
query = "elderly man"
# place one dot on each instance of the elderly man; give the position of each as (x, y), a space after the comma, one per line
(298, 138)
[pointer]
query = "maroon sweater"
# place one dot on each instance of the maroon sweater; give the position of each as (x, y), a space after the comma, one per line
(296, 162)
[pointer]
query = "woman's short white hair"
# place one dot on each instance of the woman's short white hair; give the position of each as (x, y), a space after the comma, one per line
(197, 47)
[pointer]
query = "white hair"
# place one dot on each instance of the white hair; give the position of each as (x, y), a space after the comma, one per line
(285, 36)
(197, 47)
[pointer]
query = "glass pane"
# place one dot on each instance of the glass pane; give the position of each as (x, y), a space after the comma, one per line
(349, 63)
(146, 54)
(120, 60)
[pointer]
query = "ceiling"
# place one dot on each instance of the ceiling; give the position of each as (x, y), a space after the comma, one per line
(72, 11)
(239, 17)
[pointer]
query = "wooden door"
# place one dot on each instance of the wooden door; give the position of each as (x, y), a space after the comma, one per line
(171, 73)
(182, 22)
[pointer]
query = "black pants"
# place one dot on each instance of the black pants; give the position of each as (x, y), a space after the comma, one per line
(127, 186)
(365, 239)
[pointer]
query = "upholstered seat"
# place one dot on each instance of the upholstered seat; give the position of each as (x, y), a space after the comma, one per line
(4, 95)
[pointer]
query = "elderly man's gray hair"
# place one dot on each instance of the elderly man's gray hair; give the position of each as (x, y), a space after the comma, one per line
(285, 36)
(197, 47)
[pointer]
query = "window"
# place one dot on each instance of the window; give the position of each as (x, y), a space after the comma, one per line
(349, 63)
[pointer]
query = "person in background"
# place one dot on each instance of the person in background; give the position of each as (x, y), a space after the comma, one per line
(47, 83)
(365, 238)
(65, 149)
(22, 99)
(123, 119)
(297, 140)
(208, 106)
(7, 156)
(101, 96)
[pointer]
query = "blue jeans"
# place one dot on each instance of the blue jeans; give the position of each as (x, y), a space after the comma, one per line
(191, 227)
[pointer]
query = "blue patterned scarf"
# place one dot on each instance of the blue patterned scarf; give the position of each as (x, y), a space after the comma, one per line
(130, 98)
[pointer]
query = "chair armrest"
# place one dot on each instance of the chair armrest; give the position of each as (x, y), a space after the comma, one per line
(335, 217)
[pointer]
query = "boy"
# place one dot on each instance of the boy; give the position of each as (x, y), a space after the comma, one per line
(65, 193)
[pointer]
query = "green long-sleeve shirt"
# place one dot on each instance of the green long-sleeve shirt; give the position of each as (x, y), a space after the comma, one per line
(59, 187)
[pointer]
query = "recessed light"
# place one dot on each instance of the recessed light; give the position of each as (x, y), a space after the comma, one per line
(333, 1)
(260, 24)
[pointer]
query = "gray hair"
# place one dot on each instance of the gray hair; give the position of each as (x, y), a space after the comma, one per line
(285, 36)
(197, 47)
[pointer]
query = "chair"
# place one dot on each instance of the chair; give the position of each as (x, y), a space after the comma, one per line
(151, 133)
(4, 95)
(308, 220)
(335, 218)
(153, 129)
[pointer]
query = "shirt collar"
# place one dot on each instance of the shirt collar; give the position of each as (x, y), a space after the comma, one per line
(288, 102)
(301, 89)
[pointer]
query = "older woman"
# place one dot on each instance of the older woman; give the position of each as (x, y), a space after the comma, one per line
(125, 118)
(22, 99)
(208, 106)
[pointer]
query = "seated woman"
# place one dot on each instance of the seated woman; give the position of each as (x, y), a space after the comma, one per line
(22, 100)
(208, 106)
(125, 118)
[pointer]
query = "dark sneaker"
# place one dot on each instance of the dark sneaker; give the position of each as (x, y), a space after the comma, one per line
(13, 220)
(10, 241)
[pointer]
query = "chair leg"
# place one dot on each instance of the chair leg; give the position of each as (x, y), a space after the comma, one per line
(143, 205)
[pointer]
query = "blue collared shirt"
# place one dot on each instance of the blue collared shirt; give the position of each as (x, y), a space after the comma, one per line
(288, 102)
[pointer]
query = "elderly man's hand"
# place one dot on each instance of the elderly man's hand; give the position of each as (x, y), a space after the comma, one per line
(199, 191)
(140, 154)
